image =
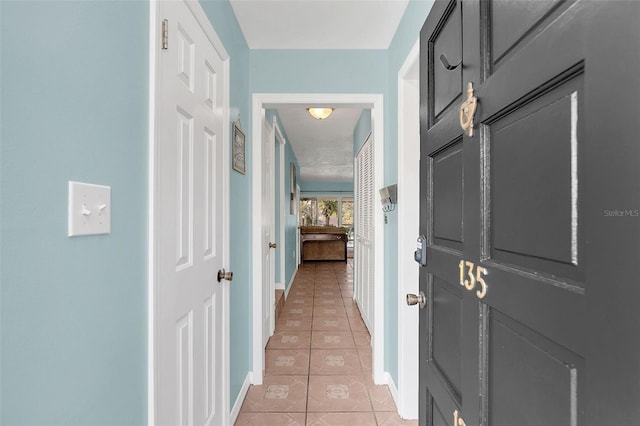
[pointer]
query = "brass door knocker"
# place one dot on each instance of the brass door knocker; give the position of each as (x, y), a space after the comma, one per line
(468, 111)
(457, 420)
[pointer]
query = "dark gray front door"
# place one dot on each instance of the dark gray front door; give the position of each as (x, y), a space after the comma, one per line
(532, 222)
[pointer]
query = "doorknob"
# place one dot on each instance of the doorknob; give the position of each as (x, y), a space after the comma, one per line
(273, 245)
(224, 275)
(420, 299)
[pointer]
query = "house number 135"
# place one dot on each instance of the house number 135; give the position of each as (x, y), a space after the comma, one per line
(470, 275)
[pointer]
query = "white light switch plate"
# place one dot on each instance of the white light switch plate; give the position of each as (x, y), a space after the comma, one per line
(89, 209)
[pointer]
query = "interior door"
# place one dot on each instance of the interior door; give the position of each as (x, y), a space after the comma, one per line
(190, 312)
(268, 211)
(519, 213)
(364, 230)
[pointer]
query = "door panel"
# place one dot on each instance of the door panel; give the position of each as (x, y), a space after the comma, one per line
(533, 168)
(511, 213)
(438, 418)
(527, 367)
(447, 84)
(514, 24)
(447, 196)
(447, 343)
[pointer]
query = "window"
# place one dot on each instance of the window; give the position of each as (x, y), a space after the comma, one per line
(318, 210)
(347, 212)
(328, 212)
(308, 211)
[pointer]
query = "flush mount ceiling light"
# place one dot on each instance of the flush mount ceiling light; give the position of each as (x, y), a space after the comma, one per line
(320, 113)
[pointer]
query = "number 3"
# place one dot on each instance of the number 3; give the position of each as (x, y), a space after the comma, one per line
(471, 283)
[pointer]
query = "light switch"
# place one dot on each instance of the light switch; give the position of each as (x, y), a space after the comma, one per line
(89, 209)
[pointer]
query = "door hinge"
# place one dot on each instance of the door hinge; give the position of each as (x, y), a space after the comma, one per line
(165, 34)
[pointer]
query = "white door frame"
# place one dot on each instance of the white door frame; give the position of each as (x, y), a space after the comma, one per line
(262, 101)
(155, 37)
(408, 230)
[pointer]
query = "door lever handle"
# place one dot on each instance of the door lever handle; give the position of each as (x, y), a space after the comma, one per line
(420, 299)
(273, 245)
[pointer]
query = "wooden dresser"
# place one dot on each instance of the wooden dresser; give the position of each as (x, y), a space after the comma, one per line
(323, 243)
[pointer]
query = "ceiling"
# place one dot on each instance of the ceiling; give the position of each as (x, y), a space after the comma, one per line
(319, 24)
(323, 148)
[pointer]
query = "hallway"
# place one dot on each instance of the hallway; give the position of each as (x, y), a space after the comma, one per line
(318, 362)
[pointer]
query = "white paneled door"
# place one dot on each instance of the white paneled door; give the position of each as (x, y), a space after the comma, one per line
(268, 234)
(190, 177)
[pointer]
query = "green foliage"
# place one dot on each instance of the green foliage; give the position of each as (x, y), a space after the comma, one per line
(328, 208)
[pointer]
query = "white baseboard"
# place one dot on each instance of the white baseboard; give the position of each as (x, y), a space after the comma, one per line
(293, 277)
(279, 286)
(235, 411)
(392, 387)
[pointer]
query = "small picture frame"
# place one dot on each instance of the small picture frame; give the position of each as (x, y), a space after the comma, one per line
(238, 147)
(292, 194)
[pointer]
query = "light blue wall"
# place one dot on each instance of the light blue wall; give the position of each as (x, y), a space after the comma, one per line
(73, 311)
(318, 71)
(74, 78)
(407, 34)
(226, 26)
(362, 130)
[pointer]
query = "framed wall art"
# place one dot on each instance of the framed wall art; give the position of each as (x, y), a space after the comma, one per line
(238, 158)
(292, 194)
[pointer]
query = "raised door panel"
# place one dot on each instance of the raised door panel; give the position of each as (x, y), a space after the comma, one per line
(532, 381)
(515, 23)
(532, 203)
(447, 176)
(445, 55)
(534, 189)
(446, 308)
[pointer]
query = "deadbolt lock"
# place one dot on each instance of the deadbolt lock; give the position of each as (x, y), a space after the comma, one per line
(420, 299)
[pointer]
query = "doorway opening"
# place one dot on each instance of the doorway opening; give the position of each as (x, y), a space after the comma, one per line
(259, 104)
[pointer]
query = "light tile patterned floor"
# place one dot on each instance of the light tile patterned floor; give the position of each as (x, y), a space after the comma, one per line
(318, 362)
